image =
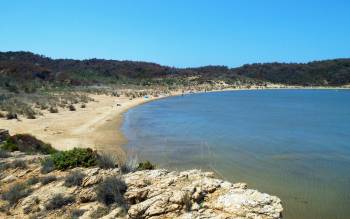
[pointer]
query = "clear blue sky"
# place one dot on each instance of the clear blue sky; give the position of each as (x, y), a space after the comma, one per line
(179, 32)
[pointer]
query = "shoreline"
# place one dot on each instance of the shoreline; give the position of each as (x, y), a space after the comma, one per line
(98, 126)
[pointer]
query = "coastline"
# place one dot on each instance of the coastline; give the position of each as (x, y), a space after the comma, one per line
(98, 125)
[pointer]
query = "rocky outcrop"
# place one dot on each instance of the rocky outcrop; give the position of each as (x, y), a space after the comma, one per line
(150, 194)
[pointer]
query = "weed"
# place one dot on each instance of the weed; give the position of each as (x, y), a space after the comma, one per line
(47, 165)
(47, 179)
(32, 181)
(4, 154)
(11, 115)
(59, 201)
(21, 164)
(99, 212)
(106, 161)
(53, 110)
(75, 178)
(146, 166)
(71, 107)
(111, 190)
(15, 193)
(76, 213)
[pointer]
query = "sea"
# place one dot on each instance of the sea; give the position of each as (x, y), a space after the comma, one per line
(294, 144)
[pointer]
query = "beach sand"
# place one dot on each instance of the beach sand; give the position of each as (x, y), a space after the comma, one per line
(96, 126)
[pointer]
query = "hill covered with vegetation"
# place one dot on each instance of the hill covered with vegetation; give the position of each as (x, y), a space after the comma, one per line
(27, 71)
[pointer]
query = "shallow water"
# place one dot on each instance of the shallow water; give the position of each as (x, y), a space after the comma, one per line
(291, 143)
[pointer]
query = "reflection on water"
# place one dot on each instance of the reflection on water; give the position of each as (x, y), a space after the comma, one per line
(291, 143)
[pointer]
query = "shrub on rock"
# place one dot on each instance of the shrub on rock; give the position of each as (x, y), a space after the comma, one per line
(27, 143)
(75, 178)
(111, 190)
(58, 201)
(32, 181)
(146, 166)
(47, 179)
(4, 154)
(21, 164)
(47, 165)
(106, 161)
(77, 157)
(15, 193)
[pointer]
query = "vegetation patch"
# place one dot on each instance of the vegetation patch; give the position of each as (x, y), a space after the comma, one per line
(76, 213)
(71, 108)
(32, 181)
(59, 201)
(47, 165)
(107, 161)
(75, 178)
(99, 212)
(111, 190)
(27, 143)
(147, 165)
(130, 165)
(77, 157)
(47, 179)
(11, 115)
(53, 110)
(15, 193)
(4, 154)
(21, 164)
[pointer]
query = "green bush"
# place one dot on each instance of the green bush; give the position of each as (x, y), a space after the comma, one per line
(77, 157)
(27, 143)
(146, 166)
(9, 146)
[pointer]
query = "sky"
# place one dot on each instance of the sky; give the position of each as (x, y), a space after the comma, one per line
(179, 33)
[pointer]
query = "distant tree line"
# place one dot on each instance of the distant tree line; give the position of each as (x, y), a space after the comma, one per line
(32, 71)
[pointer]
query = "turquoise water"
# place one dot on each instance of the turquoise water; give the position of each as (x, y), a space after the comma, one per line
(291, 143)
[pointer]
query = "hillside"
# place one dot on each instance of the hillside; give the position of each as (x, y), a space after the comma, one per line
(27, 71)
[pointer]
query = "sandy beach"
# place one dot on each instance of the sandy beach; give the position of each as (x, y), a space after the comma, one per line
(96, 126)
